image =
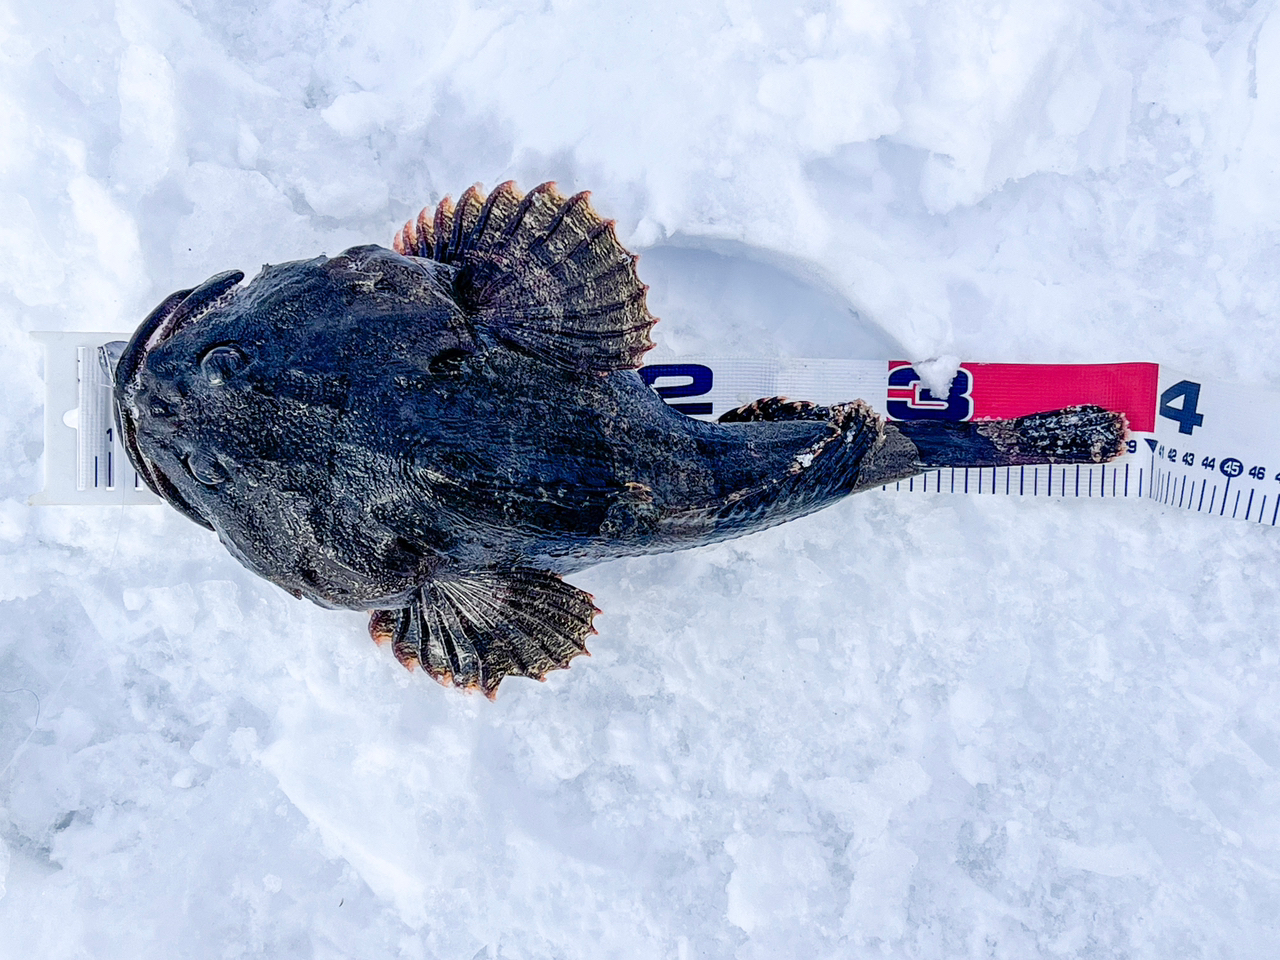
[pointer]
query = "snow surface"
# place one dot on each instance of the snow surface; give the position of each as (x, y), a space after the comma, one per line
(910, 726)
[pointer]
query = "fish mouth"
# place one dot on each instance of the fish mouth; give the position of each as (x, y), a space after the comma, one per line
(175, 312)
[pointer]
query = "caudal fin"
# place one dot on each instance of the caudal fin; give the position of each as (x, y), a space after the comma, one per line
(1082, 434)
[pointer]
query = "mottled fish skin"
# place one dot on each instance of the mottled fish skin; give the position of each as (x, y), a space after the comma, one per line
(437, 434)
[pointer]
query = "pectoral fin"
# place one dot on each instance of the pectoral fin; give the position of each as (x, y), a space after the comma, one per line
(541, 272)
(471, 630)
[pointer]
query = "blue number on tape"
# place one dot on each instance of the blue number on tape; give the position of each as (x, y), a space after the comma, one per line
(1185, 416)
(699, 377)
(958, 405)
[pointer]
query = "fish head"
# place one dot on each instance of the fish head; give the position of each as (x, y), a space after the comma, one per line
(227, 393)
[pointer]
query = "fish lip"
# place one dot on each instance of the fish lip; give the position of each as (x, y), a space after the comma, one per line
(172, 314)
(126, 368)
(151, 474)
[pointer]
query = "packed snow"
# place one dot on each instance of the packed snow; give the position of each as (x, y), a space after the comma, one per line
(918, 726)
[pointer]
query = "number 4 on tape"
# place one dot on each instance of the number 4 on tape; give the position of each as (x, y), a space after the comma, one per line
(1184, 416)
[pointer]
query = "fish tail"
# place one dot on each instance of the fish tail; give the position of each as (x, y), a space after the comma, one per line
(859, 450)
(1080, 434)
(862, 450)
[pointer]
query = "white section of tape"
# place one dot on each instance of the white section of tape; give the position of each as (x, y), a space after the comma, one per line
(1216, 449)
(84, 462)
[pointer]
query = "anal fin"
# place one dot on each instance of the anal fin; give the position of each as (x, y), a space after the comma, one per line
(472, 630)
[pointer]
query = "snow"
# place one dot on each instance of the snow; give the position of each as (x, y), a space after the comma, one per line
(923, 726)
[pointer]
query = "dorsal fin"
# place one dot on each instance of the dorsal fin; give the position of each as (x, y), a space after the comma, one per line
(541, 272)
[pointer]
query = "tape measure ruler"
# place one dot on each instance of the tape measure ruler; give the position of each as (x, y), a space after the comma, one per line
(1197, 445)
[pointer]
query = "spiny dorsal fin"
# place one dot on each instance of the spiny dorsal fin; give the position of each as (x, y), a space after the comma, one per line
(471, 630)
(541, 272)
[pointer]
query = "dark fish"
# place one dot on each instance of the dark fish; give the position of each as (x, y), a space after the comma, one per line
(438, 433)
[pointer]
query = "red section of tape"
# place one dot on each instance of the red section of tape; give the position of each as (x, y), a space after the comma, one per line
(1001, 390)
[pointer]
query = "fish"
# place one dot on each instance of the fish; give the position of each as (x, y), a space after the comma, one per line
(438, 433)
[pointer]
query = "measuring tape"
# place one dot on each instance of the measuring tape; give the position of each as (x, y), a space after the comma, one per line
(1194, 444)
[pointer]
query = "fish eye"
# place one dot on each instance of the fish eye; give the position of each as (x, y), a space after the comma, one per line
(206, 469)
(447, 361)
(220, 364)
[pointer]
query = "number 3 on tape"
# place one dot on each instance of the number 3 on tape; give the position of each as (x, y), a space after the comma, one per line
(910, 399)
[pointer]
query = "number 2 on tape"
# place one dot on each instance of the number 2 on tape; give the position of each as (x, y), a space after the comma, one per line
(699, 383)
(1185, 416)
